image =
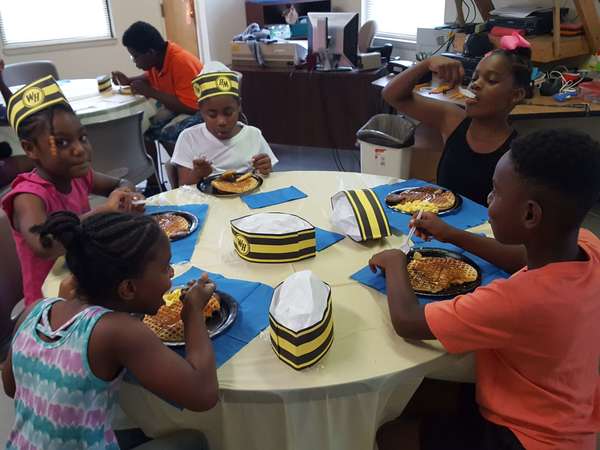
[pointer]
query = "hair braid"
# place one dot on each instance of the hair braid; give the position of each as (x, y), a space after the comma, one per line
(104, 249)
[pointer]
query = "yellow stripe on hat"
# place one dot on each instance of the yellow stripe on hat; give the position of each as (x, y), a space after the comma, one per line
(371, 217)
(20, 105)
(278, 260)
(274, 249)
(363, 233)
(307, 363)
(303, 349)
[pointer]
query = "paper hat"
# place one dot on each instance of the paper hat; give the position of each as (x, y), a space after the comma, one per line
(273, 238)
(300, 318)
(33, 98)
(216, 79)
(104, 83)
(359, 215)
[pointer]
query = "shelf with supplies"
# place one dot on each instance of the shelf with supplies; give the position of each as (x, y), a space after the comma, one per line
(554, 47)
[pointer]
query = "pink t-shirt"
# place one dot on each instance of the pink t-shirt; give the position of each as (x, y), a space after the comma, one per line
(34, 268)
(536, 338)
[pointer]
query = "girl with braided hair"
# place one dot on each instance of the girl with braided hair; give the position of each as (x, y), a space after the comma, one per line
(68, 357)
(54, 139)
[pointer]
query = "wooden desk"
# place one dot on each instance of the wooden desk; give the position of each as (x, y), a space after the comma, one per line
(313, 109)
(538, 107)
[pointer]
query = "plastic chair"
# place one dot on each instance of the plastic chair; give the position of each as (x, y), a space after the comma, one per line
(11, 285)
(26, 72)
(119, 150)
(172, 175)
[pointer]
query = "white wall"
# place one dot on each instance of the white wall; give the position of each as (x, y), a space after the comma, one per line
(224, 19)
(92, 60)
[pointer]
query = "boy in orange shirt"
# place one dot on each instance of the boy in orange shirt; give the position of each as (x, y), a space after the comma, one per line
(169, 71)
(535, 335)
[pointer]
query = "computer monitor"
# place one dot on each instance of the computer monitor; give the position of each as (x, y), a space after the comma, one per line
(334, 37)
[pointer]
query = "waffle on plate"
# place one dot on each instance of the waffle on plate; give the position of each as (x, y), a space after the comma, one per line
(434, 274)
(167, 323)
(427, 198)
(172, 224)
(233, 183)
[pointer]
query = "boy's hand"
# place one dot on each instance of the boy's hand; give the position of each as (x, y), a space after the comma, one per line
(394, 260)
(202, 167)
(196, 296)
(447, 69)
(431, 226)
(142, 87)
(262, 163)
(120, 78)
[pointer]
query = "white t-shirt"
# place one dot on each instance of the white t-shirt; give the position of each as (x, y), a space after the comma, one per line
(235, 153)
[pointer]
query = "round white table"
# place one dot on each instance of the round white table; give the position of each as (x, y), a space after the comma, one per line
(90, 106)
(366, 378)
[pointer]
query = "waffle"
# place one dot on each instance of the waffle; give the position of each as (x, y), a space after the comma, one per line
(172, 224)
(233, 184)
(167, 323)
(436, 274)
(428, 198)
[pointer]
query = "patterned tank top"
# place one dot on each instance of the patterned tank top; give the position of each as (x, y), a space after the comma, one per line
(59, 402)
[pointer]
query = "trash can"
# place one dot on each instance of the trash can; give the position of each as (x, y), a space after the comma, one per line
(386, 142)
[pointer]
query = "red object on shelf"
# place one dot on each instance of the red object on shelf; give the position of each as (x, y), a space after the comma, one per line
(571, 76)
(505, 31)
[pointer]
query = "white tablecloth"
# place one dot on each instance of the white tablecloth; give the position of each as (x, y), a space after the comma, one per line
(367, 377)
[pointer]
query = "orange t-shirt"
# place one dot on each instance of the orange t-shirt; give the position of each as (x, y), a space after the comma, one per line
(536, 338)
(179, 68)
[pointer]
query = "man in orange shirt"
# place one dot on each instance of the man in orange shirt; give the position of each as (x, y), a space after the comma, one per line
(536, 336)
(169, 71)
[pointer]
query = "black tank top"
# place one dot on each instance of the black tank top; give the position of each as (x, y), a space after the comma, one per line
(467, 172)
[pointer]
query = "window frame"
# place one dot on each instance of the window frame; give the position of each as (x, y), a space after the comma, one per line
(56, 44)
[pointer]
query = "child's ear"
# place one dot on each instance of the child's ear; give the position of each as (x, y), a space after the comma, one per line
(30, 149)
(533, 215)
(126, 290)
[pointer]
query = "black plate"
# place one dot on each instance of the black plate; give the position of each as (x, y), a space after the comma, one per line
(191, 219)
(206, 187)
(220, 321)
(457, 202)
(452, 291)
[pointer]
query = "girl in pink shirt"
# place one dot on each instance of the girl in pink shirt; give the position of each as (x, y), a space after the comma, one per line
(53, 137)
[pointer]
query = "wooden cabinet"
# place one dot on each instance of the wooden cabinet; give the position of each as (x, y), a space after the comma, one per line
(269, 12)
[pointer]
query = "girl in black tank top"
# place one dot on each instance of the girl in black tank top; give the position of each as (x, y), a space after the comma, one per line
(476, 136)
(465, 171)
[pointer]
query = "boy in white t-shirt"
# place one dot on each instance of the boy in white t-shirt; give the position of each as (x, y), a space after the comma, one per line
(221, 142)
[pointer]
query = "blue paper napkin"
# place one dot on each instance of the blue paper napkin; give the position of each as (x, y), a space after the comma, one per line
(264, 199)
(469, 215)
(183, 249)
(253, 301)
(489, 272)
(326, 238)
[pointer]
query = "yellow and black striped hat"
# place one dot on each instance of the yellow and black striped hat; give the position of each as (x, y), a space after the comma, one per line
(33, 98)
(370, 216)
(294, 240)
(302, 346)
(208, 85)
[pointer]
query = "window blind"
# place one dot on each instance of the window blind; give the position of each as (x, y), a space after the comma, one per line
(399, 19)
(25, 23)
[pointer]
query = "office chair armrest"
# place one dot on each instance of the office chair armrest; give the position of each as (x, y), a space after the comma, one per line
(385, 51)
